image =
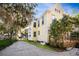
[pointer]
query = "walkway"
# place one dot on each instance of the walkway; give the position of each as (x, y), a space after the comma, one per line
(21, 48)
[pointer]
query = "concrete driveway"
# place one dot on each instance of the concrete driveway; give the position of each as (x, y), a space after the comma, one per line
(21, 48)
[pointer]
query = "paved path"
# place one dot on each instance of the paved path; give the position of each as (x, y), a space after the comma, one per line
(21, 48)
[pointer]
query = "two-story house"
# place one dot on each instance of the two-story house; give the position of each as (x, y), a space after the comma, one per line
(39, 29)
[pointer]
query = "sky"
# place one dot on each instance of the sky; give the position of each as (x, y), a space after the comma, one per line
(67, 7)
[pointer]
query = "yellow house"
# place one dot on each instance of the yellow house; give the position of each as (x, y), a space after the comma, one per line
(39, 29)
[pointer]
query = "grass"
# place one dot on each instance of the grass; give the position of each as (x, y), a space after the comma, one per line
(5, 43)
(46, 47)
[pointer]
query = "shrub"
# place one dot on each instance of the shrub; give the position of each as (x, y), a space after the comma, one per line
(5, 43)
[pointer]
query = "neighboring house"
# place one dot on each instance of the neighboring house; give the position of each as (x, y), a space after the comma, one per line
(39, 29)
(32, 30)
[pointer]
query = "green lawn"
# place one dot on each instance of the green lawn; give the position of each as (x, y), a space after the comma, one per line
(5, 43)
(46, 47)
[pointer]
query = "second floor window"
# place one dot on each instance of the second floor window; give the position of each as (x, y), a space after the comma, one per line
(57, 10)
(38, 24)
(34, 25)
(42, 20)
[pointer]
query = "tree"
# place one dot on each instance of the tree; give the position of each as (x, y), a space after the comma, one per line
(55, 31)
(60, 29)
(17, 16)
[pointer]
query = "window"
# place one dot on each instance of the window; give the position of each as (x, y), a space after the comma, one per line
(34, 34)
(29, 32)
(57, 10)
(34, 24)
(29, 28)
(38, 24)
(42, 20)
(38, 32)
(53, 17)
(29, 35)
(48, 30)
